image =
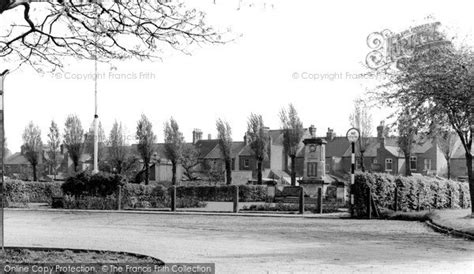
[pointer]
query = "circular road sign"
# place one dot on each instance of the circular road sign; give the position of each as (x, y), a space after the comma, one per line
(353, 135)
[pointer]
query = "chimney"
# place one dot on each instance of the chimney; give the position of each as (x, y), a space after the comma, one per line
(61, 148)
(246, 138)
(330, 135)
(209, 136)
(197, 135)
(312, 131)
(380, 133)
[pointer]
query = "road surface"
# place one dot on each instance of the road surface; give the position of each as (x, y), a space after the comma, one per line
(250, 244)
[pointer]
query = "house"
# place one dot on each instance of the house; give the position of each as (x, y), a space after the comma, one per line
(382, 154)
(458, 162)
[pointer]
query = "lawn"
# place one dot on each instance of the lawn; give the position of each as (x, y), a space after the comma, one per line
(30, 256)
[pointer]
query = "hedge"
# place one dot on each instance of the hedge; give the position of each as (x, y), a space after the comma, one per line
(413, 193)
(17, 191)
(85, 191)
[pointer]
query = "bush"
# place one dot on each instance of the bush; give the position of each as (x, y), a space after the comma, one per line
(100, 184)
(90, 202)
(31, 192)
(413, 193)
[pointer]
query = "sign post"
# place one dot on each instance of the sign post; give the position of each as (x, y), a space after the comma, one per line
(2, 135)
(352, 135)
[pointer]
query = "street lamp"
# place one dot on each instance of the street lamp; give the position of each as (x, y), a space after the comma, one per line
(2, 129)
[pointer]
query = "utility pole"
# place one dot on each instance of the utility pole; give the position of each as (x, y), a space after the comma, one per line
(96, 116)
(2, 188)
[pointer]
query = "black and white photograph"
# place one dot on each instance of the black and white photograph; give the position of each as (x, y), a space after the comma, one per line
(236, 136)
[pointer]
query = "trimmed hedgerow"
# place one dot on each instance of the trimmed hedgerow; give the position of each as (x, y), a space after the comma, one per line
(17, 191)
(413, 193)
(84, 184)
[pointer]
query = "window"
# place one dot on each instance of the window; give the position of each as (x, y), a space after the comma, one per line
(413, 162)
(246, 163)
(312, 169)
(388, 164)
(427, 164)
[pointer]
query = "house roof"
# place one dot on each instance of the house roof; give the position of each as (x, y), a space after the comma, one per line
(16, 159)
(460, 152)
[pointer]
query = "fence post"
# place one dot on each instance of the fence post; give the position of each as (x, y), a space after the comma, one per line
(301, 208)
(173, 198)
(461, 197)
(369, 203)
(119, 198)
(320, 200)
(450, 196)
(236, 199)
(396, 199)
(418, 201)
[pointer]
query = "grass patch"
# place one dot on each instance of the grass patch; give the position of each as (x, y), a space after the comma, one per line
(421, 216)
(18, 256)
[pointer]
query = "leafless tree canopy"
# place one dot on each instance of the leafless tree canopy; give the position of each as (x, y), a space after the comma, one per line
(45, 32)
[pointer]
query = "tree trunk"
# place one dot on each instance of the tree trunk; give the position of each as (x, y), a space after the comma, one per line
(407, 166)
(228, 171)
(259, 171)
(174, 167)
(34, 173)
(449, 169)
(293, 171)
(362, 166)
(470, 175)
(147, 173)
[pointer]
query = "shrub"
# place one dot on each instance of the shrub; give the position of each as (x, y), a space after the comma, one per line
(100, 184)
(414, 193)
(31, 192)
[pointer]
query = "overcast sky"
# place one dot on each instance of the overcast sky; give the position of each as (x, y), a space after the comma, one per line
(259, 72)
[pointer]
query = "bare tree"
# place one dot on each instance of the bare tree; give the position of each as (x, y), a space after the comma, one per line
(106, 30)
(224, 134)
(146, 138)
(32, 146)
(190, 161)
(118, 151)
(54, 141)
(292, 134)
(258, 141)
(362, 120)
(74, 139)
(173, 145)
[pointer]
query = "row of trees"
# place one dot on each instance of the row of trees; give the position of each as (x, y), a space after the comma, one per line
(114, 152)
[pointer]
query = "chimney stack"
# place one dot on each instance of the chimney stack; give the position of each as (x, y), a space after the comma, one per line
(197, 135)
(246, 138)
(380, 133)
(312, 131)
(330, 135)
(209, 136)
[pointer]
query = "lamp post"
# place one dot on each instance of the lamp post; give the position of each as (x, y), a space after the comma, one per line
(352, 135)
(2, 130)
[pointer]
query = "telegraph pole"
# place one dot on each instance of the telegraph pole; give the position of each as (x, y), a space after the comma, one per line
(2, 188)
(96, 116)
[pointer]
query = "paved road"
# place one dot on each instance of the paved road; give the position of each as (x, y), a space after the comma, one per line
(250, 244)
